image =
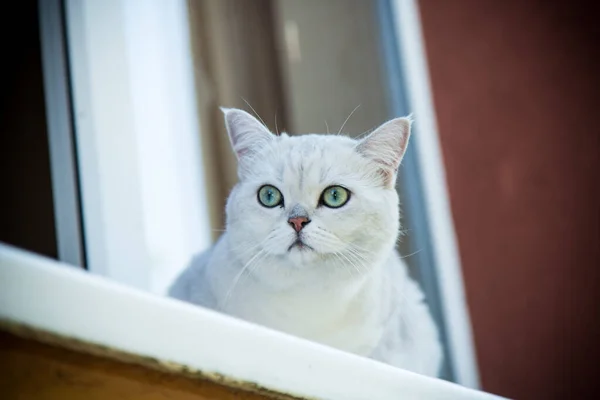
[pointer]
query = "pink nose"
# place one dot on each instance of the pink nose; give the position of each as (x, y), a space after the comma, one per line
(298, 223)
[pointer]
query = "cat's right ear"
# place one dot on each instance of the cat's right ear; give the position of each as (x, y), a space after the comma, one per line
(246, 133)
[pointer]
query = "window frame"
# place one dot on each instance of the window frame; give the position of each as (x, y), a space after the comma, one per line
(138, 141)
(427, 204)
(60, 132)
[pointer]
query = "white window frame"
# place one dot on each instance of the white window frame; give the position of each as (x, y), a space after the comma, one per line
(429, 157)
(137, 136)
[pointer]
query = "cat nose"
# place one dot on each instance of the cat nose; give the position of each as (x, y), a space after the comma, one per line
(298, 223)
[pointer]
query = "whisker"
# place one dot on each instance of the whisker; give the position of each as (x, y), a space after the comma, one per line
(237, 278)
(337, 255)
(358, 255)
(361, 249)
(252, 267)
(361, 264)
(253, 247)
(411, 254)
(325, 234)
(344, 124)
(241, 254)
(352, 264)
(257, 116)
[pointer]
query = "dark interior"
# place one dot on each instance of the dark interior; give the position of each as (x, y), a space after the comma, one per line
(26, 205)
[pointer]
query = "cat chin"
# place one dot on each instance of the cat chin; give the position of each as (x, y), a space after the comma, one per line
(301, 257)
(299, 245)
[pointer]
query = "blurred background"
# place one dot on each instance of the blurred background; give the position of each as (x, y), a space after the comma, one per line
(114, 158)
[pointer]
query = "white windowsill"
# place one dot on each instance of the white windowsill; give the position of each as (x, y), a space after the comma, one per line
(43, 294)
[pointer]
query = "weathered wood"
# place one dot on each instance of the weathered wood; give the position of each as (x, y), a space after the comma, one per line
(37, 365)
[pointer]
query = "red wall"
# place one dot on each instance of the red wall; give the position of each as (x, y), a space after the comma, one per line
(516, 91)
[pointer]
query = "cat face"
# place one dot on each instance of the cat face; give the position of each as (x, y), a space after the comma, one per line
(313, 200)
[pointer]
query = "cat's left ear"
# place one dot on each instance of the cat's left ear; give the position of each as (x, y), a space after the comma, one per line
(386, 146)
(246, 133)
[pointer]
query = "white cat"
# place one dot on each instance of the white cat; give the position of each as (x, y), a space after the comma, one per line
(310, 245)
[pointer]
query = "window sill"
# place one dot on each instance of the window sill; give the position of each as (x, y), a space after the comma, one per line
(46, 296)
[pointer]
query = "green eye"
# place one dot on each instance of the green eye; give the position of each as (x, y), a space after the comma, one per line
(270, 196)
(335, 196)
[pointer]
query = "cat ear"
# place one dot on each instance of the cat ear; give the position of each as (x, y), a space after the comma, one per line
(386, 146)
(245, 132)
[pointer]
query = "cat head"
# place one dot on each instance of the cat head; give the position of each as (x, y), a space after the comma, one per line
(312, 201)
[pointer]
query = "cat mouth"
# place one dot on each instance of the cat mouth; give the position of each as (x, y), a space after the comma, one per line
(300, 245)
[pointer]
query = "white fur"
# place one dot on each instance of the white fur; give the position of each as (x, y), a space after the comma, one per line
(349, 289)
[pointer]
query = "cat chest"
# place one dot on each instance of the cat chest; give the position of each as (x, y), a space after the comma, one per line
(350, 324)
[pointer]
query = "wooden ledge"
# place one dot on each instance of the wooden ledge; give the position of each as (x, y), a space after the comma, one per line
(42, 365)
